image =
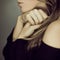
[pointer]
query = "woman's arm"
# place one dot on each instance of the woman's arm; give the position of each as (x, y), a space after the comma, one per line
(52, 34)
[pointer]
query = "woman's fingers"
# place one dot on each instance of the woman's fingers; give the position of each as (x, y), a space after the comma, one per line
(38, 15)
(29, 19)
(28, 30)
(35, 27)
(44, 15)
(34, 17)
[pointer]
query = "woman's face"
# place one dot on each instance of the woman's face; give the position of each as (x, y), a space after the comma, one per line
(27, 5)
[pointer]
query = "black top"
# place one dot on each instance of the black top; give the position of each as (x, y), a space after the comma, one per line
(18, 51)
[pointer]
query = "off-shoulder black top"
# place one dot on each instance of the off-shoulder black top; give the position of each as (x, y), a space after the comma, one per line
(18, 51)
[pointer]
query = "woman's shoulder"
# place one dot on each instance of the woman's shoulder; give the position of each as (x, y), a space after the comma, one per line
(54, 25)
(52, 34)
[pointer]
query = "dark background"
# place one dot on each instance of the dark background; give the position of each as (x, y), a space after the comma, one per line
(9, 11)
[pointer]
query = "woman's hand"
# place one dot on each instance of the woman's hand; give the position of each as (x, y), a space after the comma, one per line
(34, 19)
(36, 16)
(28, 30)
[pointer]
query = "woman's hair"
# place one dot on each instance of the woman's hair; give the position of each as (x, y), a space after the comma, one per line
(53, 9)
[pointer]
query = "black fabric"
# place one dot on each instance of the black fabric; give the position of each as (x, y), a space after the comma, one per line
(18, 51)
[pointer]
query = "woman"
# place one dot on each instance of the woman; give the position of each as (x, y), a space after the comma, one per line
(36, 34)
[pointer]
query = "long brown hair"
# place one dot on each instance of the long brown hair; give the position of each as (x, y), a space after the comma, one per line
(53, 9)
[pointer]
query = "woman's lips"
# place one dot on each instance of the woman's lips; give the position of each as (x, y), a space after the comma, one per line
(20, 2)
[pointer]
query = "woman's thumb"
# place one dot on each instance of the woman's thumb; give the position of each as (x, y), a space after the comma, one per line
(35, 27)
(27, 25)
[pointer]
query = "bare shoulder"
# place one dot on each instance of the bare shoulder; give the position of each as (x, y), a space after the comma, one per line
(52, 34)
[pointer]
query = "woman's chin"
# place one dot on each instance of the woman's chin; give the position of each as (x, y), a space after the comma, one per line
(25, 10)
